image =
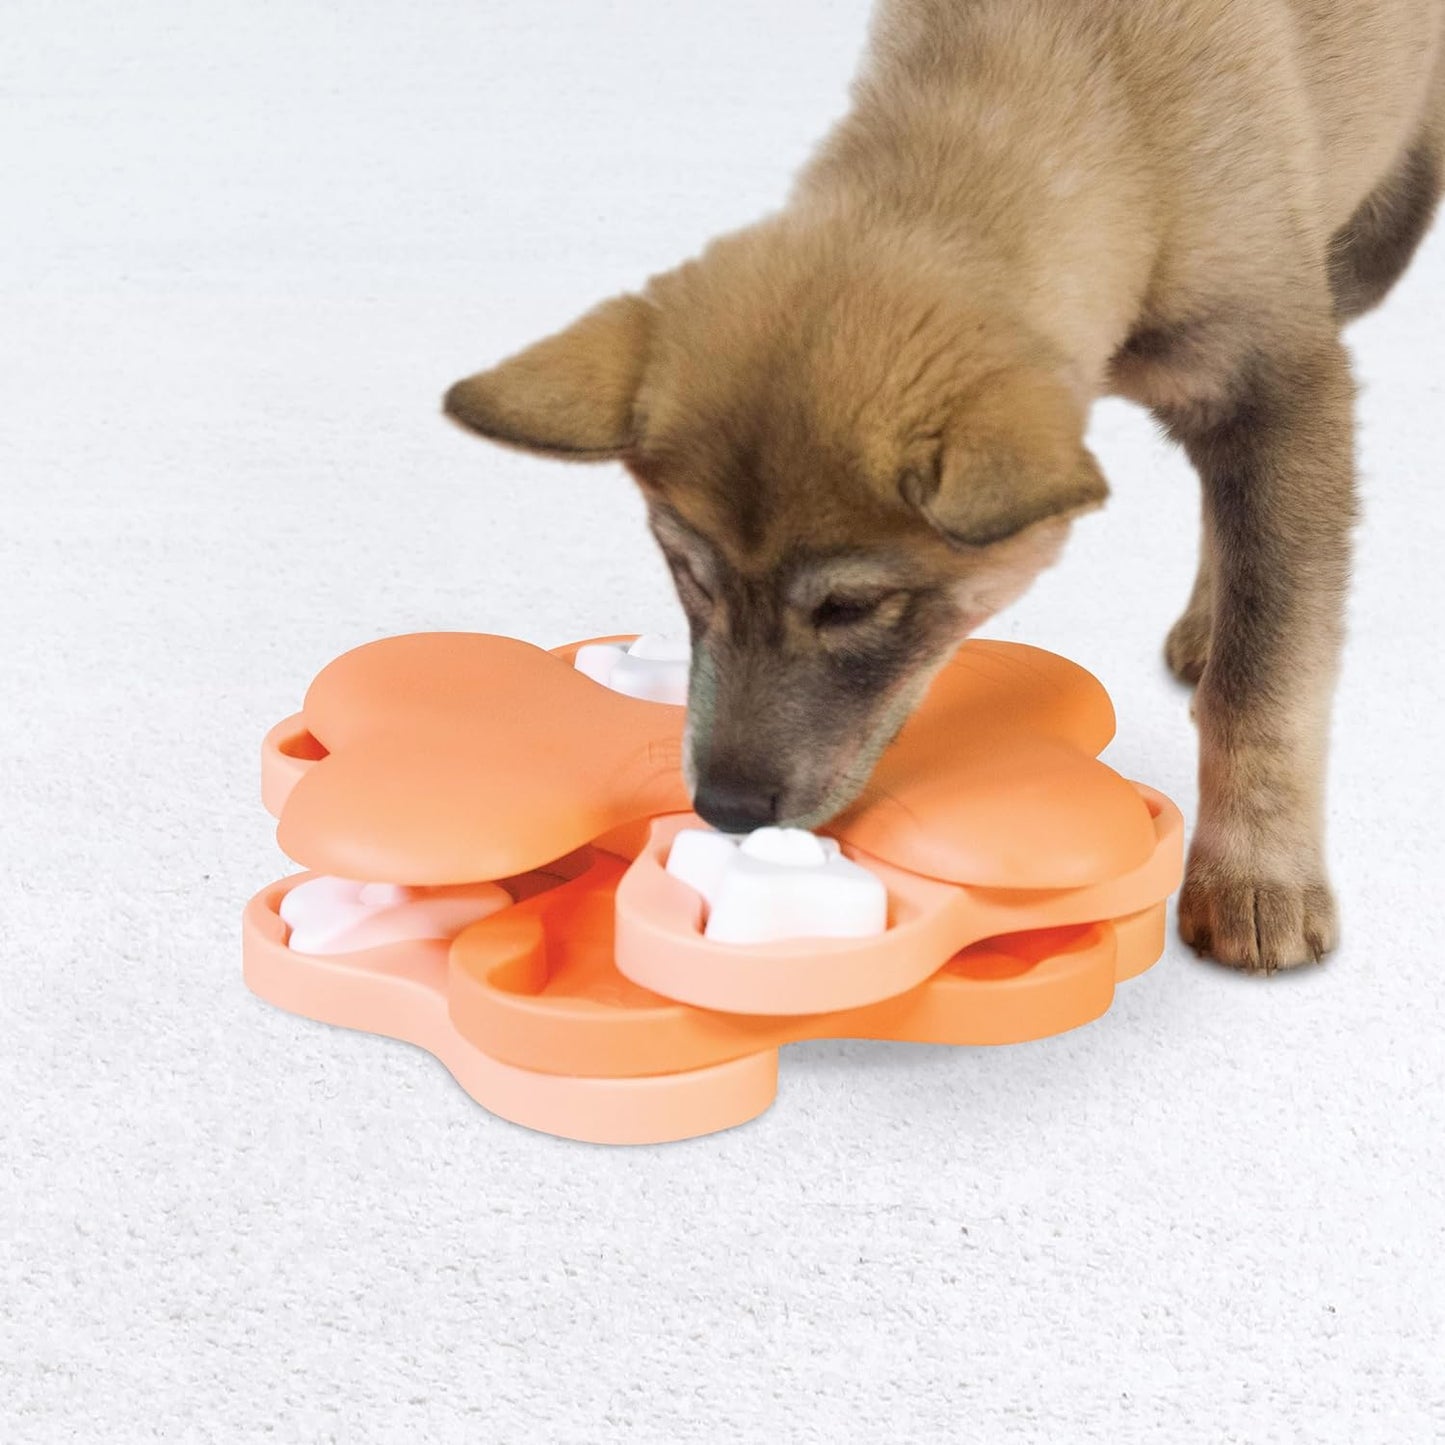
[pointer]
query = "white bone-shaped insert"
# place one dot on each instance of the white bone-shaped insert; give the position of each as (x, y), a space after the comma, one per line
(335, 915)
(653, 668)
(778, 883)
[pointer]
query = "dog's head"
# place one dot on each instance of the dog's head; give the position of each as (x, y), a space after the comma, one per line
(848, 467)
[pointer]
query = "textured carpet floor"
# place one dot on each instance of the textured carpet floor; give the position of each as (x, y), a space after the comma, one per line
(245, 247)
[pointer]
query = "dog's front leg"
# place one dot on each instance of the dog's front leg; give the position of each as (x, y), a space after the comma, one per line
(1276, 464)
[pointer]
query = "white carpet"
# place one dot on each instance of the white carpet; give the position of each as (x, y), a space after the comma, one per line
(245, 248)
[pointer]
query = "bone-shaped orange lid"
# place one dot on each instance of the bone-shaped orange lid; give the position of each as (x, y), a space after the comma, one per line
(461, 757)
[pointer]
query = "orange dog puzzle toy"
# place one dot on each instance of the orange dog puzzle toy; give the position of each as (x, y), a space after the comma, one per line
(503, 869)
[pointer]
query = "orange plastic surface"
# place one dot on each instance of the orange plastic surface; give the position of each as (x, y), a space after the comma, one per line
(1025, 878)
(537, 986)
(539, 1028)
(458, 758)
(400, 991)
(660, 943)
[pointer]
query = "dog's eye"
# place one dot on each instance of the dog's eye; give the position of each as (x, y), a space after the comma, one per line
(845, 610)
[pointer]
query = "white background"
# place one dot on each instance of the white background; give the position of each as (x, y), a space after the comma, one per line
(244, 248)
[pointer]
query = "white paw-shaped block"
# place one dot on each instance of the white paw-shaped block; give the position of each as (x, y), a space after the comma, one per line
(653, 668)
(778, 883)
(334, 915)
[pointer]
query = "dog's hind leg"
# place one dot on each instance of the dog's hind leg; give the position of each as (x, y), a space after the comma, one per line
(1370, 252)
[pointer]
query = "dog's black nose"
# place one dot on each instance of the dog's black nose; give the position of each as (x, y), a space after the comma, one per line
(736, 805)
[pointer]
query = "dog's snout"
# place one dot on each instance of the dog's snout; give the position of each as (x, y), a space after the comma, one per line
(735, 804)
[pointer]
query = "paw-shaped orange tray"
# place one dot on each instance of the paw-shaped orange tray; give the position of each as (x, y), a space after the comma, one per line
(1024, 879)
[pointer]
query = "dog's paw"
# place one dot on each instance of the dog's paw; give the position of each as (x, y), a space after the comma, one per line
(1253, 923)
(1186, 649)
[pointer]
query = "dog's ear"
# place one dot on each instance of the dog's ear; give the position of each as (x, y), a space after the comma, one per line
(1008, 457)
(571, 395)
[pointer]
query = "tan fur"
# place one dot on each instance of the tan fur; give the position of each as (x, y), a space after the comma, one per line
(1031, 203)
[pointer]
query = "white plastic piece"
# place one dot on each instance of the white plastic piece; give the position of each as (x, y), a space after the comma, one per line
(334, 915)
(659, 647)
(653, 668)
(789, 847)
(382, 895)
(778, 883)
(700, 857)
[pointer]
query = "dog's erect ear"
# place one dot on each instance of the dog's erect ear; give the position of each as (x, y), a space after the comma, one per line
(569, 396)
(1009, 457)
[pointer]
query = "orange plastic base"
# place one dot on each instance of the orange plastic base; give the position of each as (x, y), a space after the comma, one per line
(400, 992)
(585, 1055)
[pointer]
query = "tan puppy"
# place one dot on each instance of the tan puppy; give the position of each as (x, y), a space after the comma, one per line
(859, 424)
